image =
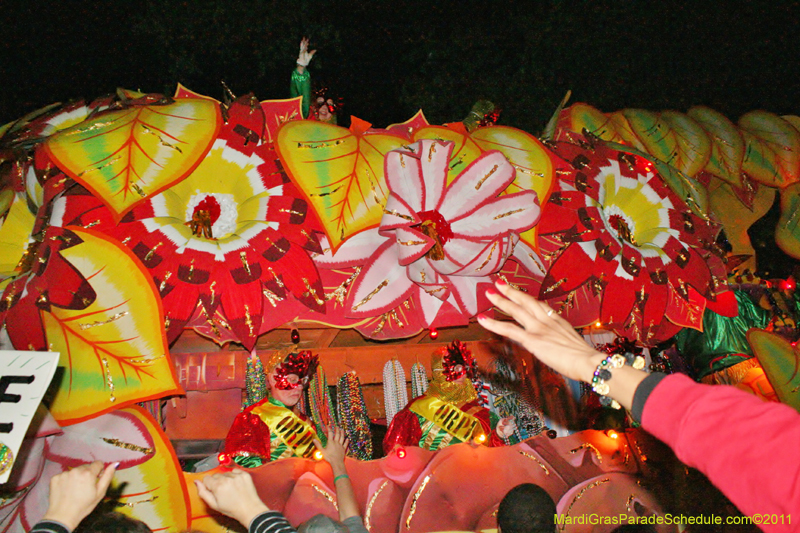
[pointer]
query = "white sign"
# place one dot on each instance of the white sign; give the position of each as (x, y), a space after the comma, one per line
(24, 378)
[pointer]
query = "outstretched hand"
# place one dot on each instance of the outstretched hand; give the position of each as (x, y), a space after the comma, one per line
(75, 493)
(304, 57)
(541, 331)
(233, 494)
(554, 341)
(336, 448)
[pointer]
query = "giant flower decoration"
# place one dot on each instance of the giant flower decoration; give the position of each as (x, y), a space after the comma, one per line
(436, 241)
(621, 247)
(227, 245)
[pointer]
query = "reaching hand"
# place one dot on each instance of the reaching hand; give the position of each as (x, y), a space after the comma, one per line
(75, 493)
(506, 427)
(233, 494)
(304, 58)
(550, 338)
(553, 341)
(336, 448)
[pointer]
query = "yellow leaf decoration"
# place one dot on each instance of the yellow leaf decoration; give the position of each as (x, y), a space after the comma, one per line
(772, 153)
(736, 218)
(787, 232)
(114, 352)
(466, 150)
(153, 491)
(127, 155)
(14, 235)
(727, 145)
(583, 116)
(534, 168)
(339, 172)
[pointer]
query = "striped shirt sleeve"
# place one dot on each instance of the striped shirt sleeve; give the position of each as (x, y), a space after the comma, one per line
(270, 522)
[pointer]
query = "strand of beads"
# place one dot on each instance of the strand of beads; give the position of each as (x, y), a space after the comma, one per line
(419, 380)
(395, 396)
(353, 416)
(255, 381)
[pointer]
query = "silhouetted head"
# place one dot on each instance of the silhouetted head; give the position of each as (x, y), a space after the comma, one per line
(527, 508)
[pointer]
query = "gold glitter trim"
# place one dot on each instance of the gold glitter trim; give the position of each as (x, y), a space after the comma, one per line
(326, 193)
(109, 380)
(327, 495)
(271, 297)
(87, 129)
(146, 360)
(579, 495)
(91, 224)
(488, 258)
(138, 190)
(161, 139)
(508, 213)
(528, 171)
(314, 146)
(398, 215)
(368, 513)
(369, 296)
(95, 169)
(245, 264)
(277, 279)
(164, 282)
(534, 458)
(131, 504)
(340, 292)
(431, 151)
(486, 177)
(291, 212)
(248, 319)
(417, 494)
(119, 315)
(588, 446)
(410, 243)
(311, 292)
(128, 446)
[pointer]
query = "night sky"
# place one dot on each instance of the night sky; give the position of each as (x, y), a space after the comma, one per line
(387, 59)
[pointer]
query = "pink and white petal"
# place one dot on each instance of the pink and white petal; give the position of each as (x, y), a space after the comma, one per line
(397, 213)
(482, 180)
(530, 259)
(381, 286)
(37, 500)
(428, 280)
(403, 171)
(469, 296)
(356, 250)
(458, 252)
(513, 212)
(429, 305)
(435, 157)
(490, 260)
(411, 245)
(113, 437)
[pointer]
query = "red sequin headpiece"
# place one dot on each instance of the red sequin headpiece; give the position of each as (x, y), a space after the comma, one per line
(457, 353)
(302, 364)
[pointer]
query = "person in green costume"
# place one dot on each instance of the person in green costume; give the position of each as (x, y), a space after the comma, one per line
(319, 108)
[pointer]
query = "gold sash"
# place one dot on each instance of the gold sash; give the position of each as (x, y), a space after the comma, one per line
(293, 431)
(447, 416)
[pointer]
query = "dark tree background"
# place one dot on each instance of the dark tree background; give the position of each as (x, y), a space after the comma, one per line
(388, 59)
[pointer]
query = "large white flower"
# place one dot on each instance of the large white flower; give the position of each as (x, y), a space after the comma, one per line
(436, 241)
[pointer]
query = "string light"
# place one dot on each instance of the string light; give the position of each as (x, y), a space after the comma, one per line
(434, 333)
(401, 452)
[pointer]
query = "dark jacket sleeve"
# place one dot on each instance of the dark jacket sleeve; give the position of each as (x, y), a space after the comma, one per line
(49, 526)
(747, 447)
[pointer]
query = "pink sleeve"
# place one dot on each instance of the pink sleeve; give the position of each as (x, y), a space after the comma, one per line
(748, 448)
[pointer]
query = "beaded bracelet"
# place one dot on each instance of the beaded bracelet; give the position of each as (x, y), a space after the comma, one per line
(603, 373)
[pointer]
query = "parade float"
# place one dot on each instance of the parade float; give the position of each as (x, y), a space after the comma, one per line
(161, 244)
